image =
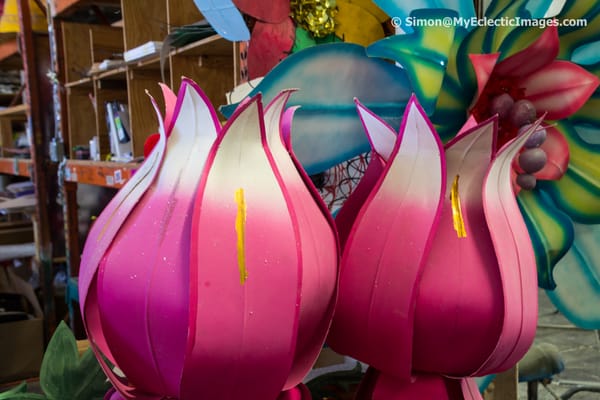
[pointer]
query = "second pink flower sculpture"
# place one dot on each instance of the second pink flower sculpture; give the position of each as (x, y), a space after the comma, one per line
(438, 275)
(212, 273)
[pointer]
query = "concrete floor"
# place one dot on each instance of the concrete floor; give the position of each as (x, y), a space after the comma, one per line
(579, 348)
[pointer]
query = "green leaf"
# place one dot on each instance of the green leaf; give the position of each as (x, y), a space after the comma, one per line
(60, 360)
(578, 191)
(423, 54)
(64, 376)
(22, 388)
(588, 113)
(577, 292)
(573, 37)
(550, 230)
(303, 40)
(24, 396)
(92, 380)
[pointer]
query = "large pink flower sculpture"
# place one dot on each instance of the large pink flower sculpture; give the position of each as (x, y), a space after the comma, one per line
(438, 275)
(212, 273)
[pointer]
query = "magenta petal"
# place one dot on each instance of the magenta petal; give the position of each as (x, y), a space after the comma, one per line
(373, 321)
(516, 260)
(460, 297)
(299, 392)
(559, 88)
(245, 271)
(346, 216)
(147, 263)
(557, 150)
(383, 140)
(539, 54)
(423, 386)
(273, 11)
(100, 238)
(483, 64)
(271, 43)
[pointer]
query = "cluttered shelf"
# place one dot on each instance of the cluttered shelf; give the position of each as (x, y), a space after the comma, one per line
(99, 173)
(212, 46)
(15, 166)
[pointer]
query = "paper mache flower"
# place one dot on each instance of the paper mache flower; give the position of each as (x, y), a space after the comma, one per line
(212, 273)
(547, 69)
(438, 276)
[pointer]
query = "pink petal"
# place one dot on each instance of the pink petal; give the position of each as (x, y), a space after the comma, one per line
(557, 150)
(559, 88)
(170, 103)
(539, 54)
(273, 11)
(516, 260)
(460, 295)
(374, 317)
(100, 237)
(483, 64)
(318, 245)
(271, 43)
(383, 140)
(246, 270)
(424, 386)
(147, 263)
(299, 392)
(347, 215)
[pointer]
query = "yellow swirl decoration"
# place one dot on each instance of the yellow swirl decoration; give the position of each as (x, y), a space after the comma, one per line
(316, 16)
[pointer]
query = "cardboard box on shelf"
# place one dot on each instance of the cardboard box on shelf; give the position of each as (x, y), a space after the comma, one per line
(21, 328)
(21, 349)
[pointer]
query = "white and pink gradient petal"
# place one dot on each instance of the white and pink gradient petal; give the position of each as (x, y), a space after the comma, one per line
(516, 259)
(246, 271)
(459, 299)
(318, 247)
(381, 136)
(386, 250)
(149, 257)
(100, 238)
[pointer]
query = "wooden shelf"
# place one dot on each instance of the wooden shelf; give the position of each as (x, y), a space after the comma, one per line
(114, 73)
(8, 49)
(65, 7)
(15, 111)
(99, 173)
(16, 166)
(81, 82)
(211, 46)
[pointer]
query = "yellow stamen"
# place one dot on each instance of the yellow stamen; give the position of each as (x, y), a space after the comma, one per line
(240, 229)
(457, 218)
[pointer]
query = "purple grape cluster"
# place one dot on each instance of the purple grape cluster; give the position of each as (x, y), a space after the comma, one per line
(521, 114)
